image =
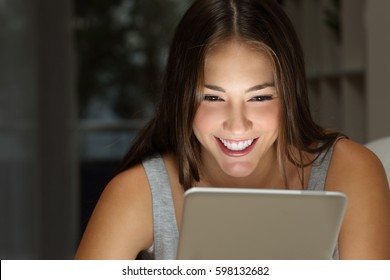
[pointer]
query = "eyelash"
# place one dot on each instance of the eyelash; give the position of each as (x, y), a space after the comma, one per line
(260, 98)
(212, 98)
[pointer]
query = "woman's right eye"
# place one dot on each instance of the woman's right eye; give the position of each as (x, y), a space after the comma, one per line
(212, 98)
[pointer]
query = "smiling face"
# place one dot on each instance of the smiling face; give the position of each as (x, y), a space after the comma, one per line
(237, 120)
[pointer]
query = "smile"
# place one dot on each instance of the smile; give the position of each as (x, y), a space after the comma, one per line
(236, 145)
(236, 148)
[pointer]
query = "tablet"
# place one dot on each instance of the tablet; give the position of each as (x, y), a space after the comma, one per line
(231, 223)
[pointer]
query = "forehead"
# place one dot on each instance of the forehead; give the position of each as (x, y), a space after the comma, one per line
(236, 45)
(238, 61)
(238, 41)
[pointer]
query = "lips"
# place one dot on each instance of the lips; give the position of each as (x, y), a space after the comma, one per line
(236, 145)
(236, 148)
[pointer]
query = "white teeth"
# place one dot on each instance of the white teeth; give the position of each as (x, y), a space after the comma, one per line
(238, 145)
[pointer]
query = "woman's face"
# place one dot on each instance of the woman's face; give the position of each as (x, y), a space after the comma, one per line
(237, 120)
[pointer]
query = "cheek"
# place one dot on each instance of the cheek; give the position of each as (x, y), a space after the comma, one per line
(268, 116)
(207, 117)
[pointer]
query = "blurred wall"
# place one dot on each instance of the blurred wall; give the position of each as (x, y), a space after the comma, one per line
(378, 68)
(38, 166)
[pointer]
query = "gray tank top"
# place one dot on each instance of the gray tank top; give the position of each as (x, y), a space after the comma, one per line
(164, 218)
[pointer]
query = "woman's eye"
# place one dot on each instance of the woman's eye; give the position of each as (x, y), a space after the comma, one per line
(212, 98)
(261, 98)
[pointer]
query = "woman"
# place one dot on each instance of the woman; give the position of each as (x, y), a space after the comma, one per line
(234, 112)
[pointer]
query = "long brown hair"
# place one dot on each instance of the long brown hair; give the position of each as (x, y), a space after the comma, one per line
(208, 22)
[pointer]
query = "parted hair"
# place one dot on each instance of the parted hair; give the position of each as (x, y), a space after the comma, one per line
(209, 22)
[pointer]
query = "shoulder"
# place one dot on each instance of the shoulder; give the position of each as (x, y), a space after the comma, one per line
(122, 223)
(352, 161)
(128, 177)
(131, 185)
(355, 168)
(359, 174)
(349, 147)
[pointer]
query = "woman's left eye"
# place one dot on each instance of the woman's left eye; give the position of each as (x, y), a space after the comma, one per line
(262, 98)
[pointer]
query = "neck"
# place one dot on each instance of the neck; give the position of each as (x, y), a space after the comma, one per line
(265, 175)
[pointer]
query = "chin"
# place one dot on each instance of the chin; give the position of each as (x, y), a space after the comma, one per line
(238, 170)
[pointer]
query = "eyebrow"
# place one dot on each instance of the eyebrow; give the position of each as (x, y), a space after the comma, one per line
(254, 88)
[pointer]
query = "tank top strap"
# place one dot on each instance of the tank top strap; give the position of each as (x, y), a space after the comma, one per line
(320, 168)
(318, 175)
(164, 217)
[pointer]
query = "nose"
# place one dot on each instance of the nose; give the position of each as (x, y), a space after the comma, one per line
(237, 122)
